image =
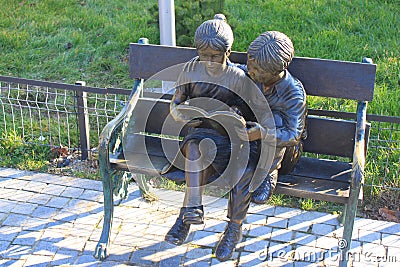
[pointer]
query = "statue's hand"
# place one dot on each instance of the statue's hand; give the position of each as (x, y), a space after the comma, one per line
(179, 117)
(254, 131)
(242, 133)
(194, 123)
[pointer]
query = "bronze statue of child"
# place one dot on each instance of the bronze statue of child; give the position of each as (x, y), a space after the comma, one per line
(211, 78)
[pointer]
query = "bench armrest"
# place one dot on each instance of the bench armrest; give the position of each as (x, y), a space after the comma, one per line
(111, 137)
(359, 146)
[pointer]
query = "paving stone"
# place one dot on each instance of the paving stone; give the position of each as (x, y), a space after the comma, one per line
(40, 199)
(92, 195)
(260, 231)
(36, 187)
(3, 246)
(255, 245)
(309, 254)
(11, 173)
(323, 229)
(57, 202)
(391, 240)
(170, 261)
(38, 260)
(266, 210)
(196, 263)
(299, 225)
(250, 259)
(17, 252)
(7, 193)
(287, 212)
(304, 239)
(325, 242)
(65, 216)
(6, 205)
(317, 217)
(212, 225)
(64, 257)
(204, 238)
(279, 252)
(12, 263)
(393, 254)
(256, 219)
(24, 208)
(277, 222)
(369, 236)
(44, 212)
(281, 235)
(8, 233)
(199, 253)
(35, 224)
(70, 235)
(53, 189)
(45, 248)
(73, 243)
(3, 216)
(15, 219)
(86, 260)
(72, 192)
(27, 238)
(16, 184)
(144, 257)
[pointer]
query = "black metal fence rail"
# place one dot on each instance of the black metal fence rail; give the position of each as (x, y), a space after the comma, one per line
(73, 115)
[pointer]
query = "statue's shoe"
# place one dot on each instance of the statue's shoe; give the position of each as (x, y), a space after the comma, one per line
(263, 193)
(194, 215)
(230, 238)
(179, 231)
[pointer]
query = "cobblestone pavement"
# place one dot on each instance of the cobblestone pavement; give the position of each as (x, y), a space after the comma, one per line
(49, 220)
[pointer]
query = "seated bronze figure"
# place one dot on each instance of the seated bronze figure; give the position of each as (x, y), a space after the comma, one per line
(211, 76)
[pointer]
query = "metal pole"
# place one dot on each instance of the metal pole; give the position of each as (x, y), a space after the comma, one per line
(83, 120)
(166, 12)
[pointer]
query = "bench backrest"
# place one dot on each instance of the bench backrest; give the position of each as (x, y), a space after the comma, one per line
(320, 77)
(327, 78)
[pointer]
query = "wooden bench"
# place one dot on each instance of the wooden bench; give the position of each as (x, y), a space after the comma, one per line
(336, 180)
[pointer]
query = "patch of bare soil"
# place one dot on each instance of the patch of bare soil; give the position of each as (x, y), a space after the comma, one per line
(69, 163)
(385, 207)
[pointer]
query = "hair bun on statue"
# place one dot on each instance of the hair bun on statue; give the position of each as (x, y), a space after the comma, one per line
(220, 17)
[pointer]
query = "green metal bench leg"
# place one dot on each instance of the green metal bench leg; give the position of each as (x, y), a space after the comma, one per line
(348, 222)
(101, 252)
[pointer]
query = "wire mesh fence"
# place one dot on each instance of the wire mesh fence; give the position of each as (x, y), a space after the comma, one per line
(50, 114)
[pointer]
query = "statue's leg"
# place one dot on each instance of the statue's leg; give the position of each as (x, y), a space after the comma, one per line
(192, 211)
(238, 205)
(101, 252)
(195, 178)
(263, 193)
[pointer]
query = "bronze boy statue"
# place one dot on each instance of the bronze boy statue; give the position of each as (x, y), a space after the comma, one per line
(210, 76)
(268, 58)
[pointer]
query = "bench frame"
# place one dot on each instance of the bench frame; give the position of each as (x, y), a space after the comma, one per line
(335, 76)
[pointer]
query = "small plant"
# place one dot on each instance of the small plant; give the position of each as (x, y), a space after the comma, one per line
(16, 153)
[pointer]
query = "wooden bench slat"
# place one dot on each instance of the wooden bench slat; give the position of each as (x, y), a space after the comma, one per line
(304, 187)
(349, 80)
(323, 169)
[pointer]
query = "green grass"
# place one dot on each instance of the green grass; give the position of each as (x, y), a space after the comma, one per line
(34, 35)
